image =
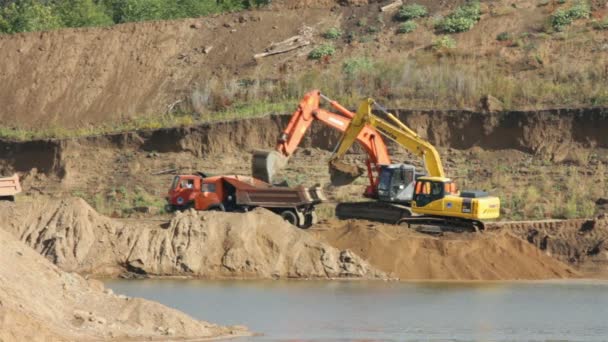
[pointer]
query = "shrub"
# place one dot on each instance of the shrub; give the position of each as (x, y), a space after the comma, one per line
(409, 12)
(503, 36)
(564, 17)
(353, 67)
(332, 33)
(407, 27)
(443, 43)
(461, 20)
(325, 50)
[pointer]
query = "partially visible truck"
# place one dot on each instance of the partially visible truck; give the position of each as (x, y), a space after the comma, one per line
(235, 193)
(9, 187)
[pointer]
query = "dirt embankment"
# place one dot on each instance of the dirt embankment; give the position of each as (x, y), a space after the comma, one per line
(77, 77)
(40, 302)
(580, 243)
(553, 134)
(408, 255)
(258, 244)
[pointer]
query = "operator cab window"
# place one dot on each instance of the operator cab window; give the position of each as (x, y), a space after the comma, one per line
(428, 191)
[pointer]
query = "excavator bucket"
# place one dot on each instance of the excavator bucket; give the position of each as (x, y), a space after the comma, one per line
(265, 164)
(341, 173)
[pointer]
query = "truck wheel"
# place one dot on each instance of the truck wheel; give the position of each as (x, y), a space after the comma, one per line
(290, 216)
(309, 220)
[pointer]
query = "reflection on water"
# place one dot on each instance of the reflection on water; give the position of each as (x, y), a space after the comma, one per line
(371, 311)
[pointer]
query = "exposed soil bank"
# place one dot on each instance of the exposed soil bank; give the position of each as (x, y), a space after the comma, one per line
(40, 302)
(580, 243)
(553, 134)
(408, 255)
(257, 244)
(261, 245)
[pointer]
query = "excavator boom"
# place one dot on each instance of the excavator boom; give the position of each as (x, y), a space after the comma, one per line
(266, 164)
(397, 132)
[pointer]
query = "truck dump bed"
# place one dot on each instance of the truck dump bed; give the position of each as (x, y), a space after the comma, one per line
(9, 186)
(262, 194)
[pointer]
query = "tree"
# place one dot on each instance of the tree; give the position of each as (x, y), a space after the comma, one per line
(26, 16)
(81, 13)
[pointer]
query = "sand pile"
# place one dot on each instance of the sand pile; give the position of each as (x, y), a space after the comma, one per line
(409, 255)
(39, 302)
(258, 244)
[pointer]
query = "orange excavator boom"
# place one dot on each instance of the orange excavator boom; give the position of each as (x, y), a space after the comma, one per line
(266, 164)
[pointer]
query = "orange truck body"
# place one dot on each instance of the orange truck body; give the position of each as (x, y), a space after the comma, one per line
(9, 187)
(243, 193)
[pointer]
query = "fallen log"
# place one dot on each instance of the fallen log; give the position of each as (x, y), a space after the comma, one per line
(391, 6)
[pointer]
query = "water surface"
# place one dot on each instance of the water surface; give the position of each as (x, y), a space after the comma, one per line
(394, 311)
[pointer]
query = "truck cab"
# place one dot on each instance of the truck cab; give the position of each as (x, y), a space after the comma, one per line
(183, 191)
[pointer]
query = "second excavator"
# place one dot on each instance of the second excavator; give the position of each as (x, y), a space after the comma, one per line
(428, 201)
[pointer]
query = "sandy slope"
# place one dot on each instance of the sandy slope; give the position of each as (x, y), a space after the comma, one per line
(410, 255)
(258, 244)
(39, 302)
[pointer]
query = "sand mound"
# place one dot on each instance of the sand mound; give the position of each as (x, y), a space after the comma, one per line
(409, 255)
(257, 244)
(39, 302)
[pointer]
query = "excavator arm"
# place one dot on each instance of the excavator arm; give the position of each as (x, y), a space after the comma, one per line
(266, 164)
(396, 131)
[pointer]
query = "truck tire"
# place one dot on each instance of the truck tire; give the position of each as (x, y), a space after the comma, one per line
(291, 217)
(309, 220)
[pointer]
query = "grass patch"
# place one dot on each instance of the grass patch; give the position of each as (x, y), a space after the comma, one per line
(444, 43)
(601, 25)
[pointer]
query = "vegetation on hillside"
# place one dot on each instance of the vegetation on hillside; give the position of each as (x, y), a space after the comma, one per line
(40, 15)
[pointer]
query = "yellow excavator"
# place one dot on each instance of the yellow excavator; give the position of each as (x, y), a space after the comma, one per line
(436, 204)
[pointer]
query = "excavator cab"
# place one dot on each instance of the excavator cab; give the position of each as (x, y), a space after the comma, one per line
(396, 183)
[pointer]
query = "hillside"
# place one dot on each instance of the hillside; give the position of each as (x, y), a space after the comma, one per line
(160, 73)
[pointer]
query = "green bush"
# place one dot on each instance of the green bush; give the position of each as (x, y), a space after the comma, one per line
(409, 12)
(353, 67)
(322, 51)
(443, 43)
(503, 36)
(407, 27)
(332, 33)
(461, 20)
(564, 17)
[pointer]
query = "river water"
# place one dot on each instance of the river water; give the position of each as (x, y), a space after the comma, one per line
(394, 311)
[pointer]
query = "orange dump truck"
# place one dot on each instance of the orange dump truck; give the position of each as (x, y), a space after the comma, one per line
(242, 193)
(9, 187)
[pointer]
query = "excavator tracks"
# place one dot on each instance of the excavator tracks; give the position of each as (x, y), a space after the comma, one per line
(399, 214)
